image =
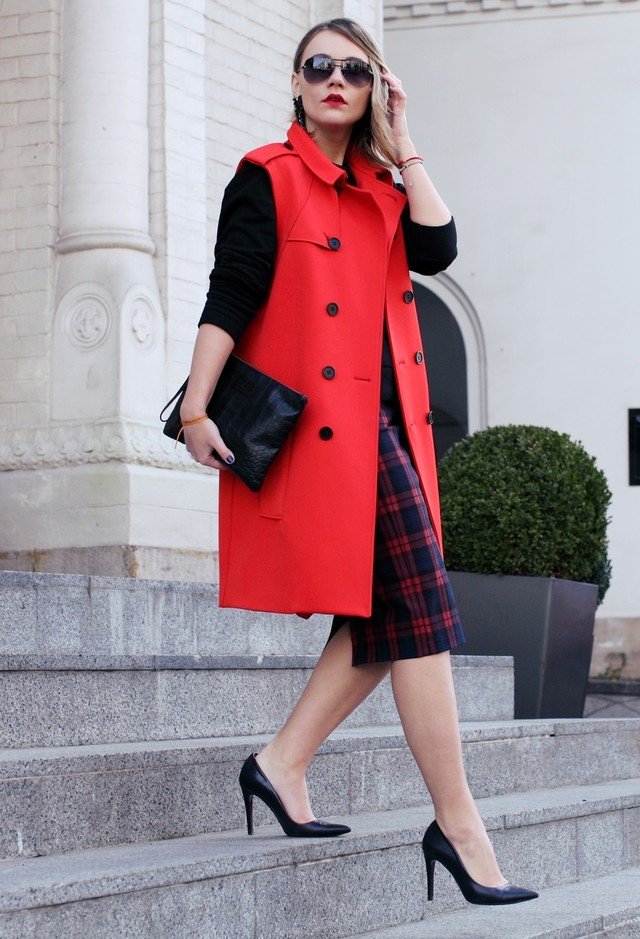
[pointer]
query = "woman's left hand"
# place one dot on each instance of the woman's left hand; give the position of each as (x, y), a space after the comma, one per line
(396, 106)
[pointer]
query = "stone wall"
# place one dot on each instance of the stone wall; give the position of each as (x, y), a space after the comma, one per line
(30, 59)
(121, 127)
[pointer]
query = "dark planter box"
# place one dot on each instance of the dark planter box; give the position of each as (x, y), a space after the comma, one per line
(546, 624)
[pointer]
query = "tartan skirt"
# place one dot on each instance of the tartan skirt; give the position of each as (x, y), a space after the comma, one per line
(414, 612)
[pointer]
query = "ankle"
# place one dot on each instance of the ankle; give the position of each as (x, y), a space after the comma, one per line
(284, 763)
(461, 827)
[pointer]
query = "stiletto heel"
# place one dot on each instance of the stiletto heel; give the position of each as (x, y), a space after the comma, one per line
(430, 869)
(437, 847)
(248, 807)
(254, 782)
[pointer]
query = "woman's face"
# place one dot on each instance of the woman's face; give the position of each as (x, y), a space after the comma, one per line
(321, 113)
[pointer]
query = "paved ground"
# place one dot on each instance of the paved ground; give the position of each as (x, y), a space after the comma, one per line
(612, 705)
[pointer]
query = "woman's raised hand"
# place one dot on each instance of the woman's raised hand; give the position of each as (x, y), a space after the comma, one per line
(396, 105)
(201, 439)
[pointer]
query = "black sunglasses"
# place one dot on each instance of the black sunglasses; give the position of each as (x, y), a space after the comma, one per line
(319, 67)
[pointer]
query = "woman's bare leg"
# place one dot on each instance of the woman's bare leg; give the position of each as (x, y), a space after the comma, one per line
(425, 697)
(333, 691)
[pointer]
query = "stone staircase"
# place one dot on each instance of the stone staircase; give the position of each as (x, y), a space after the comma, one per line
(128, 708)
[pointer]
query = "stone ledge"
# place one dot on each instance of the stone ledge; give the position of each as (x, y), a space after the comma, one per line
(597, 907)
(90, 582)
(111, 757)
(407, 12)
(43, 613)
(63, 797)
(118, 663)
(160, 565)
(101, 441)
(91, 873)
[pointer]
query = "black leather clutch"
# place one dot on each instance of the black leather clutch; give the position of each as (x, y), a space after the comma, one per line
(254, 413)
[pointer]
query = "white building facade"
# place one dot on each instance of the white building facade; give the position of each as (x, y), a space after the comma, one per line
(122, 122)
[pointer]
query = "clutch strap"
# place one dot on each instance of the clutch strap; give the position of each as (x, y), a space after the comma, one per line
(180, 391)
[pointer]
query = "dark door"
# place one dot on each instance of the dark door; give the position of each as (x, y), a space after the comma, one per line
(446, 361)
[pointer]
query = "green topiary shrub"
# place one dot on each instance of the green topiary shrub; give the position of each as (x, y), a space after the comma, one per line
(521, 499)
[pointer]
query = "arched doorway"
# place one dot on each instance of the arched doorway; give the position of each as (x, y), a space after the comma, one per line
(446, 361)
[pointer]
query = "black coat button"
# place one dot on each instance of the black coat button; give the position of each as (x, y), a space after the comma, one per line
(430, 417)
(332, 309)
(328, 371)
(326, 433)
(408, 296)
(334, 243)
(419, 357)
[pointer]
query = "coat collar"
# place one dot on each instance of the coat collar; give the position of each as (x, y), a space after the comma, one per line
(367, 176)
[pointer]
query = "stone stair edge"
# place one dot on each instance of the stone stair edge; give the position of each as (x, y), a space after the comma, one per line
(9, 579)
(81, 661)
(592, 906)
(89, 873)
(81, 758)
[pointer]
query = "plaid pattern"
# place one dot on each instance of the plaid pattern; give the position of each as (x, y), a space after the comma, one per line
(414, 611)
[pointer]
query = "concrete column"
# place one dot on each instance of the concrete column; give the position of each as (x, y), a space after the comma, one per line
(108, 344)
(97, 488)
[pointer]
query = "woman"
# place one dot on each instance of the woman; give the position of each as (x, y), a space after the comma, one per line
(311, 284)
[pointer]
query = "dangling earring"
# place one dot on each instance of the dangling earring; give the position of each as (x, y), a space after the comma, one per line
(300, 115)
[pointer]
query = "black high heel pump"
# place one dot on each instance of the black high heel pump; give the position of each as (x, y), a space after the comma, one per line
(437, 847)
(253, 782)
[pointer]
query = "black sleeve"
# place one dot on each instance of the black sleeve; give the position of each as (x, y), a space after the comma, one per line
(430, 248)
(244, 252)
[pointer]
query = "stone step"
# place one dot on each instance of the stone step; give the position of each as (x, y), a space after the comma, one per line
(125, 616)
(70, 700)
(606, 907)
(269, 884)
(57, 799)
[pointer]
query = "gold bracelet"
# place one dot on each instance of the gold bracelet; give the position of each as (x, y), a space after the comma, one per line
(193, 420)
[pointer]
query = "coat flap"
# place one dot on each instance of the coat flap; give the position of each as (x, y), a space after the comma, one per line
(321, 221)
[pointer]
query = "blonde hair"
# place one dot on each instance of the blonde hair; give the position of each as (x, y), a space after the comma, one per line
(371, 134)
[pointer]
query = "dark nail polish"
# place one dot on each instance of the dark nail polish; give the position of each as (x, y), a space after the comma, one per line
(230, 458)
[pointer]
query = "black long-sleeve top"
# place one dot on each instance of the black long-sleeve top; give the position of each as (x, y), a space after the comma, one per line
(245, 252)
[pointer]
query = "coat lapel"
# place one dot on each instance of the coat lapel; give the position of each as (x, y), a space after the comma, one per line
(312, 156)
(378, 182)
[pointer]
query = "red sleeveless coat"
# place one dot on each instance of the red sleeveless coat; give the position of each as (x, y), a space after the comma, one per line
(304, 543)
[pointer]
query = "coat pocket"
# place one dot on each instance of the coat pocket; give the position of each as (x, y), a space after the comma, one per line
(274, 488)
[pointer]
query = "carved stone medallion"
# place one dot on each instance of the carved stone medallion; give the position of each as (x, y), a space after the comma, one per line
(88, 322)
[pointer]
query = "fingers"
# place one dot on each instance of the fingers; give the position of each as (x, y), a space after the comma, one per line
(205, 444)
(394, 83)
(211, 461)
(223, 452)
